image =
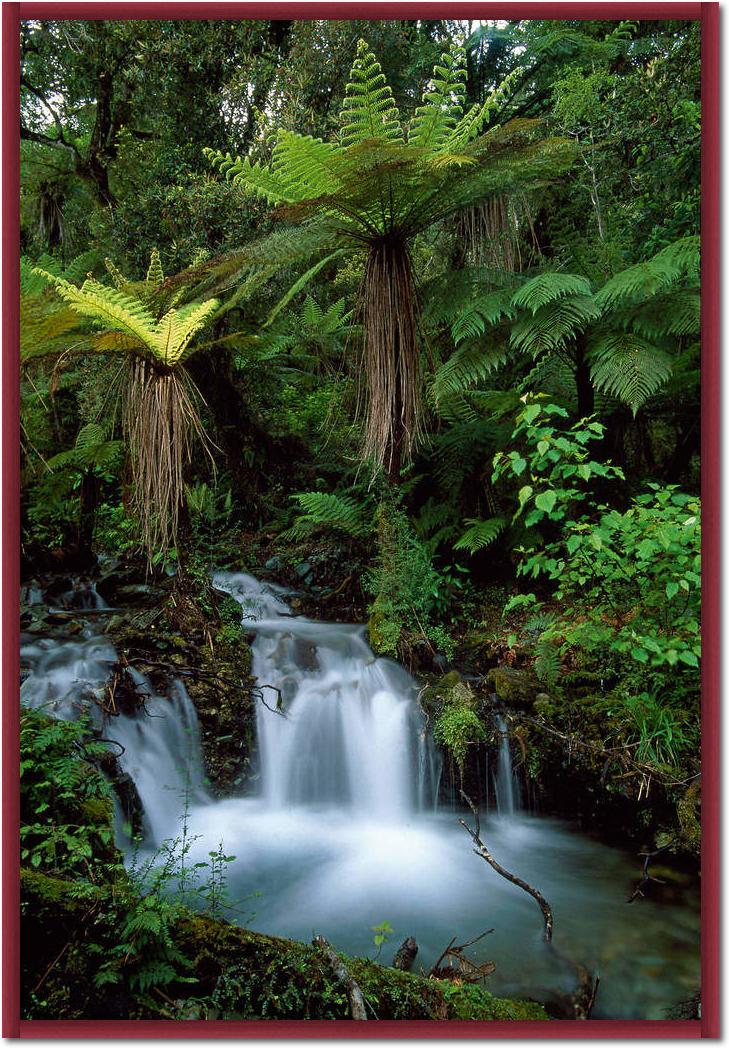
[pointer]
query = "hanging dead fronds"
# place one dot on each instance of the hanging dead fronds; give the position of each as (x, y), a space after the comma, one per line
(392, 365)
(492, 229)
(161, 421)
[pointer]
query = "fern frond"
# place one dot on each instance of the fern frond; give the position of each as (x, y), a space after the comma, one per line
(442, 102)
(628, 367)
(369, 110)
(679, 261)
(547, 287)
(155, 275)
(480, 533)
(325, 510)
(468, 365)
(484, 311)
(554, 324)
(479, 115)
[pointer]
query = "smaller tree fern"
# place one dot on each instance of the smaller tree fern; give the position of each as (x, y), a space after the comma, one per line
(630, 332)
(160, 415)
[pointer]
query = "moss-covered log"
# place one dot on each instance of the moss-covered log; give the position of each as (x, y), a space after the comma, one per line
(239, 974)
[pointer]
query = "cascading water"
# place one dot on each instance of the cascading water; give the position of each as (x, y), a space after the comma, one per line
(506, 787)
(159, 744)
(342, 833)
(348, 731)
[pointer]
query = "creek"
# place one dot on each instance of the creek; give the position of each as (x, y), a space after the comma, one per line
(344, 830)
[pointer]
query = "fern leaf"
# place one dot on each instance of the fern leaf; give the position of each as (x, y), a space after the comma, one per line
(324, 510)
(547, 287)
(468, 365)
(479, 534)
(155, 276)
(679, 261)
(369, 110)
(442, 102)
(554, 324)
(628, 367)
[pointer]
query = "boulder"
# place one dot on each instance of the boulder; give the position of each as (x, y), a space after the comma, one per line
(513, 687)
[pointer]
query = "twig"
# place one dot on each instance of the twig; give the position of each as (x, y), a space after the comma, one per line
(483, 851)
(647, 877)
(357, 1007)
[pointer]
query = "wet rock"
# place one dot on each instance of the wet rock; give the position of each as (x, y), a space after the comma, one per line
(514, 687)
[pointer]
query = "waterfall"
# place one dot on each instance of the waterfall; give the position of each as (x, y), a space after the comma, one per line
(505, 784)
(160, 745)
(337, 726)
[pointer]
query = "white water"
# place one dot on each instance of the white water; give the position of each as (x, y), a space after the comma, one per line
(348, 731)
(343, 833)
(506, 786)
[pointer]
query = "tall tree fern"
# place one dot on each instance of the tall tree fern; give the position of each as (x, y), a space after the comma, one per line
(373, 189)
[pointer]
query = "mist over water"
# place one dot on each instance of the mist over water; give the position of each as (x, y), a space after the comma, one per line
(344, 831)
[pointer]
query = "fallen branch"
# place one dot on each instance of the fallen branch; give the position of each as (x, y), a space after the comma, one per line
(647, 877)
(467, 970)
(482, 850)
(356, 1000)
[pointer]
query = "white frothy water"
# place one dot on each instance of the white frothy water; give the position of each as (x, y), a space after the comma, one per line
(159, 745)
(506, 786)
(347, 731)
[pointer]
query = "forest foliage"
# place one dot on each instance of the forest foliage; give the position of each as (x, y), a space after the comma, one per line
(427, 290)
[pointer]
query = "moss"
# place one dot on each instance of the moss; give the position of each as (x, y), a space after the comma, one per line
(239, 973)
(250, 975)
(514, 687)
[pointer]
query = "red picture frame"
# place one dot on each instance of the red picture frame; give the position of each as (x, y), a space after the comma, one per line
(708, 1026)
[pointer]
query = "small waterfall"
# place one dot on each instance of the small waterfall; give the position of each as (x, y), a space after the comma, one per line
(66, 678)
(506, 787)
(348, 732)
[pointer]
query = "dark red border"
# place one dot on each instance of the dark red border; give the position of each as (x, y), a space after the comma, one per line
(12, 1026)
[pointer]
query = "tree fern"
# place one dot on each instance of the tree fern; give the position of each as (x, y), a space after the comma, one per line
(373, 189)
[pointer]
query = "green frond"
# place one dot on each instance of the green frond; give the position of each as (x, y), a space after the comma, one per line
(177, 328)
(120, 281)
(442, 103)
(369, 110)
(553, 324)
(91, 450)
(628, 367)
(484, 311)
(107, 307)
(478, 116)
(155, 276)
(677, 314)
(324, 510)
(467, 366)
(480, 533)
(679, 261)
(547, 287)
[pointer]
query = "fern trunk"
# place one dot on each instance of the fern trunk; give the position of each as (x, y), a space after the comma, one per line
(392, 371)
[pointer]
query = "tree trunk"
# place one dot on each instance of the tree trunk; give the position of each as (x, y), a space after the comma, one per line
(583, 381)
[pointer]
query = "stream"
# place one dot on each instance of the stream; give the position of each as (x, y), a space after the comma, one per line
(345, 832)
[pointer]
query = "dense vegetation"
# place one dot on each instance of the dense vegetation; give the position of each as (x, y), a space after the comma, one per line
(405, 314)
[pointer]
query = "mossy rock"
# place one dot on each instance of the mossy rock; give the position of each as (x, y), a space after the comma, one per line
(512, 686)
